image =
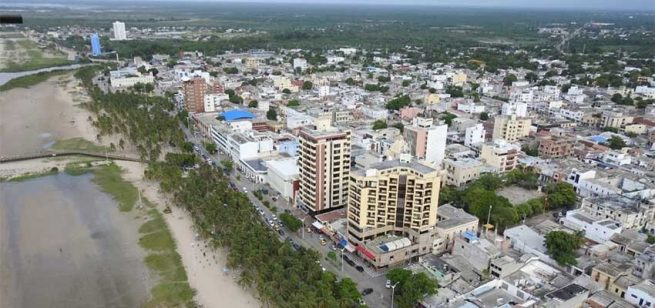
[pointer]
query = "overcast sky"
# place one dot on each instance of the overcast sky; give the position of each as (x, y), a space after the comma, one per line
(632, 5)
(552, 4)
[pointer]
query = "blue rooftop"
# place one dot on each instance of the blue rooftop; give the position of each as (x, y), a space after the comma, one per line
(237, 114)
(598, 139)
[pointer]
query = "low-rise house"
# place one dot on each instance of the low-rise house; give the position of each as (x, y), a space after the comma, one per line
(454, 222)
(642, 294)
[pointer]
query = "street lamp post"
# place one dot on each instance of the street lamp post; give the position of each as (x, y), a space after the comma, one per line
(342, 258)
(393, 290)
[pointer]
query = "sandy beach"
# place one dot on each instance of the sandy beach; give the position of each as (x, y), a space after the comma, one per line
(204, 266)
(32, 119)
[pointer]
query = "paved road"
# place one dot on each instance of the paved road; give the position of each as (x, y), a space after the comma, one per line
(369, 279)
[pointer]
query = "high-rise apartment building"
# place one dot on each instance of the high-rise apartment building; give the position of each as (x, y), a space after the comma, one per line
(194, 94)
(511, 128)
(119, 31)
(392, 211)
(426, 141)
(324, 165)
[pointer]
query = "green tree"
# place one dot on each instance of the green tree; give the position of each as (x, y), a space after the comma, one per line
(561, 194)
(448, 118)
(561, 246)
(405, 83)
(253, 104)
(148, 87)
(530, 150)
(509, 79)
(210, 147)
(379, 124)
(346, 289)
(286, 91)
(307, 85)
(399, 126)
(455, 91)
(484, 116)
(187, 147)
(227, 164)
(293, 103)
(292, 223)
(350, 81)
(616, 143)
(617, 98)
(398, 102)
(411, 288)
(650, 239)
(531, 77)
(271, 114)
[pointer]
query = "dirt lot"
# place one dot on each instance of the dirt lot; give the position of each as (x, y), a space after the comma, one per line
(517, 195)
(63, 243)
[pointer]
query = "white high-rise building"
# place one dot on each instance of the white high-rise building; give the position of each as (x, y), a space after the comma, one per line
(426, 141)
(119, 31)
(474, 135)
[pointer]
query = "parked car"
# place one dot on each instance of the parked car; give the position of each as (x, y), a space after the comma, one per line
(387, 284)
(359, 268)
(280, 232)
(367, 291)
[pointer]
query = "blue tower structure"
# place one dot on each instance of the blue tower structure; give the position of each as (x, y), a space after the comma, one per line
(96, 49)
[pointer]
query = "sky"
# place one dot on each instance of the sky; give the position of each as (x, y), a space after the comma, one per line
(551, 4)
(623, 5)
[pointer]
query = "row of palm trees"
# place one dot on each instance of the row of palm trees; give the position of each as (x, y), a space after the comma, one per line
(282, 276)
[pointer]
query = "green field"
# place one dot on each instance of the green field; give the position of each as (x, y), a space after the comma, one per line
(79, 144)
(25, 55)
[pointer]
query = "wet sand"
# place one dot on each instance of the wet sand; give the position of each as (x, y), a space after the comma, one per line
(32, 119)
(64, 243)
(204, 266)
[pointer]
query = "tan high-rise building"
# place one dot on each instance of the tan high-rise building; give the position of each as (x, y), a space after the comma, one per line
(511, 128)
(392, 211)
(324, 165)
(194, 94)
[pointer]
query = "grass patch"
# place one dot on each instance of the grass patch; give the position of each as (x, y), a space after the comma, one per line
(167, 265)
(79, 144)
(30, 80)
(31, 175)
(110, 181)
(78, 168)
(173, 289)
(171, 294)
(36, 58)
(159, 241)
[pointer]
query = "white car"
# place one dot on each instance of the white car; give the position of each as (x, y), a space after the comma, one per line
(245, 190)
(388, 284)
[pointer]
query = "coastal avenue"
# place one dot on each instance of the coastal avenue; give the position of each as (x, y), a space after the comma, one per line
(381, 297)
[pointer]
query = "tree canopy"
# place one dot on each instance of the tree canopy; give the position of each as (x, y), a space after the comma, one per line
(410, 287)
(562, 245)
(379, 124)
